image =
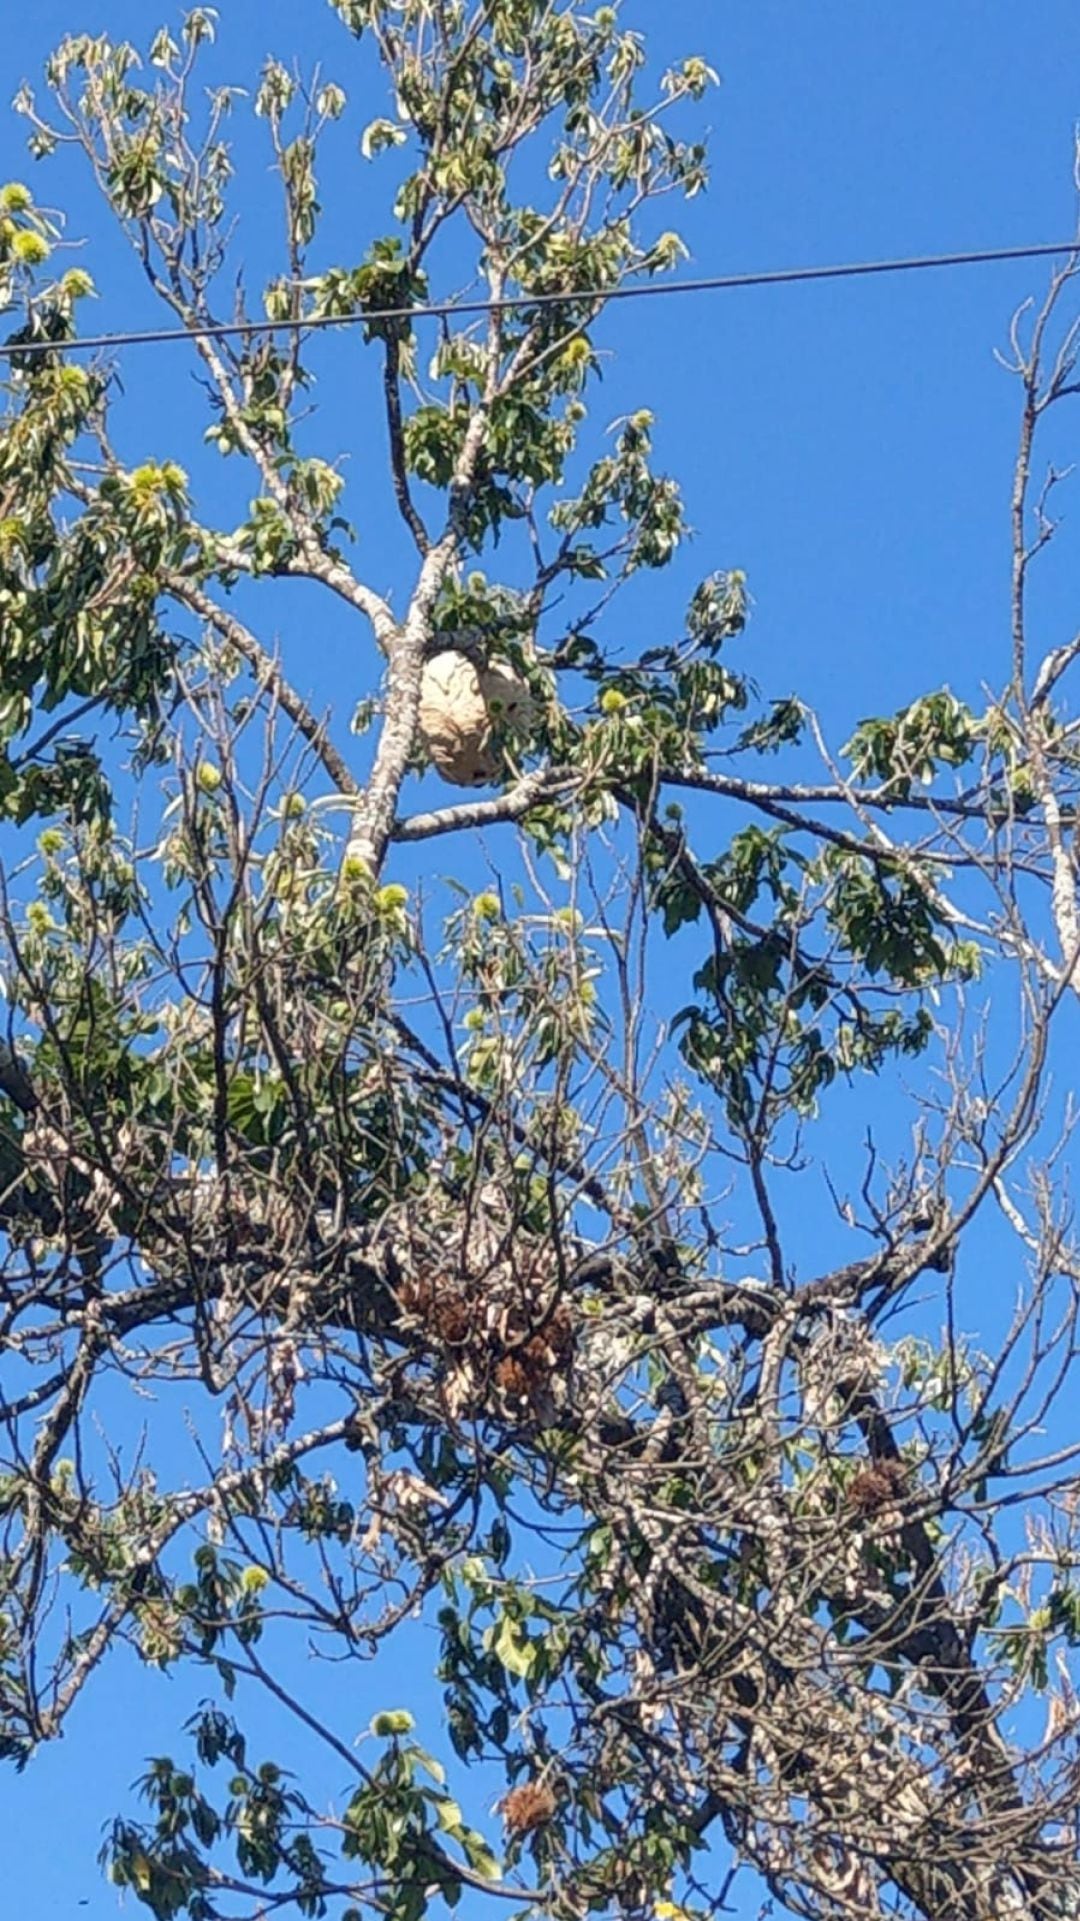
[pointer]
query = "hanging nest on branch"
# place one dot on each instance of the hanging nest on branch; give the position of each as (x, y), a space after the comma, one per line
(464, 709)
(526, 1808)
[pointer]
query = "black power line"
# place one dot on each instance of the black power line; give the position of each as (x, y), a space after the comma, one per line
(448, 309)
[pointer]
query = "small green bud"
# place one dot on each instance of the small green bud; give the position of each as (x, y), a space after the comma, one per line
(392, 1721)
(77, 284)
(30, 248)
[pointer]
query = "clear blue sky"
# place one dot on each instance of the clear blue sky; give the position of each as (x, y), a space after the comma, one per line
(848, 445)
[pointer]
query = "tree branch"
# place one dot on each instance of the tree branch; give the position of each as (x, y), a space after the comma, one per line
(269, 674)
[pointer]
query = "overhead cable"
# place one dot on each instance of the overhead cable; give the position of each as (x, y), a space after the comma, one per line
(511, 303)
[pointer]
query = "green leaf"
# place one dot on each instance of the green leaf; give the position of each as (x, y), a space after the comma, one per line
(513, 1649)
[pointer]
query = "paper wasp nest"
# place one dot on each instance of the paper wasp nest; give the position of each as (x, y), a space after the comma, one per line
(462, 707)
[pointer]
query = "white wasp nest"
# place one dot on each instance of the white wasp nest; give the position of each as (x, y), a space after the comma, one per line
(462, 709)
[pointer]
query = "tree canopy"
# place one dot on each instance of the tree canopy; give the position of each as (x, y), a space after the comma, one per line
(441, 1250)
